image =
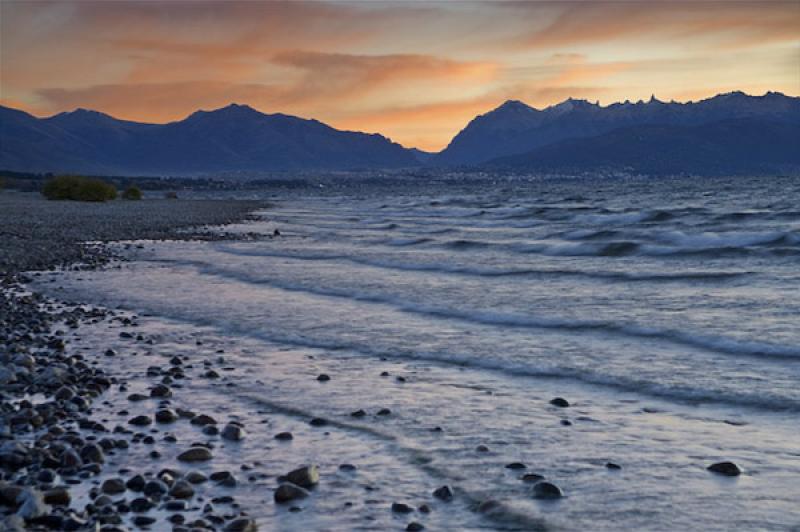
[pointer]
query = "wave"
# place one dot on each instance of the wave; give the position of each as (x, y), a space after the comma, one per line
(619, 276)
(679, 394)
(712, 343)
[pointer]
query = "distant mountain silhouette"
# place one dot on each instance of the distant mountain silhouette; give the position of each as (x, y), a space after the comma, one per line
(729, 147)
(515, 128)
(231, 139)
(729, 133)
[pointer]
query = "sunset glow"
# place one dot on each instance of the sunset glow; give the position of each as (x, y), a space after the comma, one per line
(415, 72)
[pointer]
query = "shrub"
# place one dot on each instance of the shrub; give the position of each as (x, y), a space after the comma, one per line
(132, 193)
(78, 188)
(171, 195)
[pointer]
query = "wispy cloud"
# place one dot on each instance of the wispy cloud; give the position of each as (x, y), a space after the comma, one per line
(416, 72)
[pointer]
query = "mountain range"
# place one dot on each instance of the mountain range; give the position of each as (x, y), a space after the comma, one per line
(728, 133)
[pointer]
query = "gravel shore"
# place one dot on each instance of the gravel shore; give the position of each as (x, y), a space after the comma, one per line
(38, 234)
(52, 444)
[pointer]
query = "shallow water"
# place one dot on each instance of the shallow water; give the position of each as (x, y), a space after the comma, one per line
(666, 312)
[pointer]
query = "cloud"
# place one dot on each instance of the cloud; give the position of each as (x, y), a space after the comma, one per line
(725, 24)
(416, 72)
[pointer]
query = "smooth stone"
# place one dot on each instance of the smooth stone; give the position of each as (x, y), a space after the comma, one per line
(305, 477)
(182, 490)
(284, 436)
(160, 390)
(516, 465)
(547, 490)
(612, 465)
(195, 477)
(289, 492)
(444, 493)
(400, 508)
(57, 497)
(323, 378)
(166, 416)
(415, 527)
(155, 487)
(136, 483)
(113, 486)
(140, 505)
(560, 402)
(92, 453)
(195, 454)
(531, 477)
(233, 432)
(140, 421)
(243, 524)
(203, 420)
(728, 469)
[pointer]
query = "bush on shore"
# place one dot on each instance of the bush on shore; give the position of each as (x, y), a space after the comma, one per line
(132, 193)
(78, 188)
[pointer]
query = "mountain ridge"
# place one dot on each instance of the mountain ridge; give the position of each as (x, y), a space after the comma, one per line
(500, 133)
(239, 139)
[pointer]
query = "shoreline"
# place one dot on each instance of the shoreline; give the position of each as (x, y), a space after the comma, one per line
(52, 444)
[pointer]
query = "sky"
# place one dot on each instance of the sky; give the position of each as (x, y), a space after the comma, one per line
(416, 72)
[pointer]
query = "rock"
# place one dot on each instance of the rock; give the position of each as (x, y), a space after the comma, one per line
(182, 490)
(305, 477)
(384, 412)
(92, 452)
(14, 455)
(136, 483)
(444, 493)
(323, 378)
(233, 432)
(65, 393)
(195, 477)
(612, 465)
(136, 397)
(728, 469)
(347, 467)
(113, 486)
(284, 436)
(482, 449)
(318, 422)
(414, 527)
(224, 478)
(57, 497)
(203, 420)
(160, 390)
(140, 505)
(289, 492)
(155, 488)
(547, 490)
(143, 521)
(243, 524)
(531, 477)
(358, 413)
(195, 454)
(560, 402)
(140, 421)
(166, 415)
(516, 465)
(400, 508)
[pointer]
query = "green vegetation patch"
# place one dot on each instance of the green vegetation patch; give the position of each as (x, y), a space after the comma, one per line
(78, 188)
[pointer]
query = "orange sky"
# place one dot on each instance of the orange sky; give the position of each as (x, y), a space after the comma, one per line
(415, 72)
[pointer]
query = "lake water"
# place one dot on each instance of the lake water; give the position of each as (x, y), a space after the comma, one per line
(666, 312)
